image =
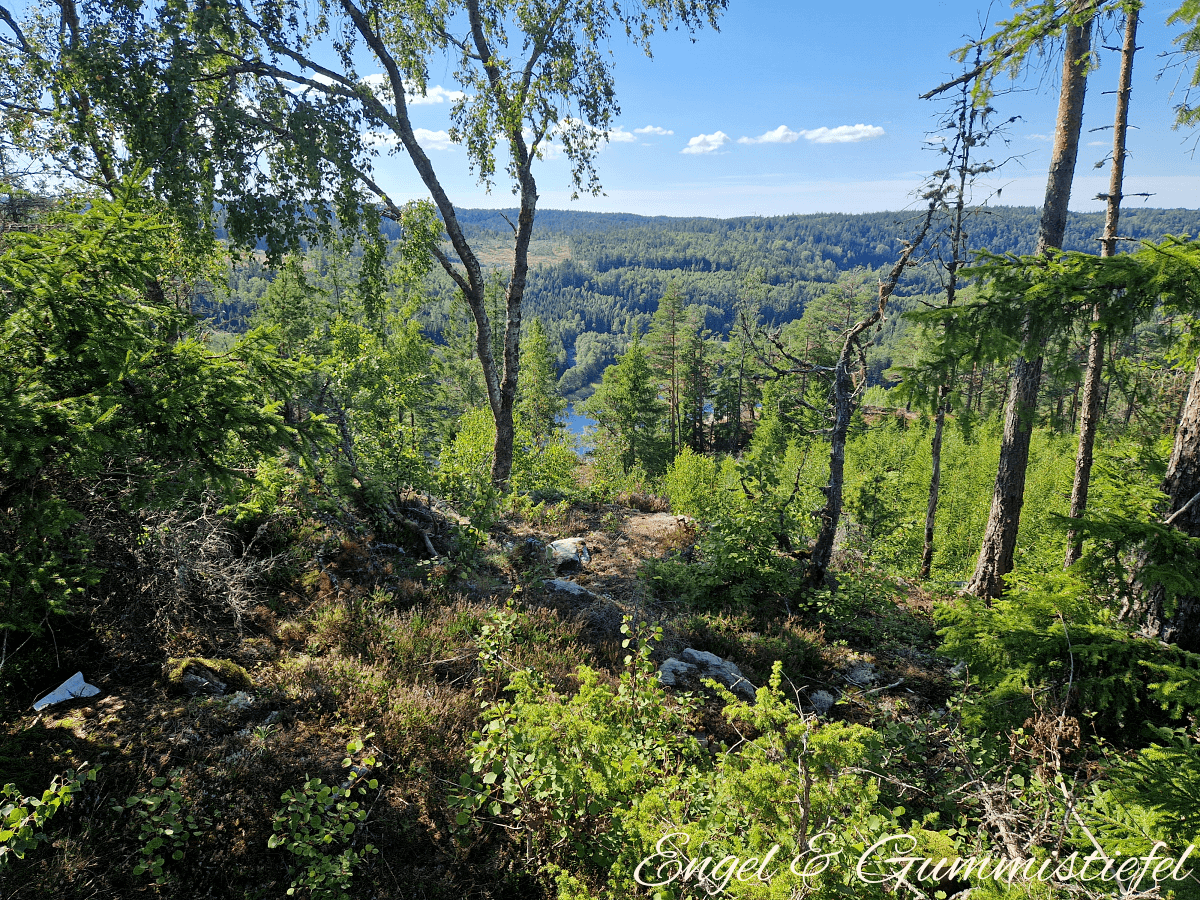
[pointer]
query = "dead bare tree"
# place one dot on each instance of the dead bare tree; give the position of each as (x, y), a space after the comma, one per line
(847, 381)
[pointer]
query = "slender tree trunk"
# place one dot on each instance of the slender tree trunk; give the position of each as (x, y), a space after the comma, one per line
(1020, 412)
(505, 431)
(1095, 364)
(844, 403)
(737, 423)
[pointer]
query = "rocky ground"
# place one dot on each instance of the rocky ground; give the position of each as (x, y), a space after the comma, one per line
(353, 638)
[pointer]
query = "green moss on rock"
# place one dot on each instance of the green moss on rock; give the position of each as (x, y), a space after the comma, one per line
(233, 675)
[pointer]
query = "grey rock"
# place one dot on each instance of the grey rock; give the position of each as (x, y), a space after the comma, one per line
(822, 701)
(273, 718)
(202, 680)
(561, 585)
(524, 551)
(672, 672)
(959, 671)
(568, 555)
(702, 664)
(703, 659)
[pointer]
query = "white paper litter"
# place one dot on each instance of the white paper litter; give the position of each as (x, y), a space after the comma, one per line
(73, 687)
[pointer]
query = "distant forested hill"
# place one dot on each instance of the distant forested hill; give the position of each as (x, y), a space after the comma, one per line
(599, 274)
(596, 276)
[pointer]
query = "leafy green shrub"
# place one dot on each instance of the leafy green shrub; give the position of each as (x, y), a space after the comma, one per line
(546, 468)
(316, 820)
(758, 518)
(165, 825)
(592, 783)
(465, 469)
(23, 818)
(100, 371)
(690, 482)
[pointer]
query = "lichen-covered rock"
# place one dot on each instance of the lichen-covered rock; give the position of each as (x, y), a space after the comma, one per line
(822, 701)
(568, 555)
(862, 674)
(695, 664)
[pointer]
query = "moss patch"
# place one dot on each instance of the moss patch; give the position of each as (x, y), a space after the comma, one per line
(230, 672)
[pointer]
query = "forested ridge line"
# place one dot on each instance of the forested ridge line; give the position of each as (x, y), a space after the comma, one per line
(599, 276)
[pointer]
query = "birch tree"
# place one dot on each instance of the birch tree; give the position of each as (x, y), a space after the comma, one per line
(277, 110)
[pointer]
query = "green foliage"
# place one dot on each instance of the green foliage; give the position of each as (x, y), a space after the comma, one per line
(539, 405)
(465, 469)
(1049, 636)
(101, 374)
(559, 768)
(546, 471)
(627, 407)
(165, 825)
(1043, 300)
(1148, 801)
(594, 782)
(23, 818)
(690, 482)
(758, 519)
(384, 385)
(317, 820)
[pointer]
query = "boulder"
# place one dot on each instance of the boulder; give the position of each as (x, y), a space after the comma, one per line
(197, 675)
(822, 701)
(568, 555)
(675, 673)
(528, 550)
(562, 586)
(696, 664)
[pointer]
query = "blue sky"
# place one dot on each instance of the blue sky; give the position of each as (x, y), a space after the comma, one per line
(798, 108)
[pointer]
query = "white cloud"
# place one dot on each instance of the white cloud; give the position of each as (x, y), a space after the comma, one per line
(430, 140)
(620, 136)
(653, 129)
(1099, 144)
(381, 86)
(706, 143)
(1040, 137)
(435, 94)
(781, 135)
(843, 134)
(434, 140)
